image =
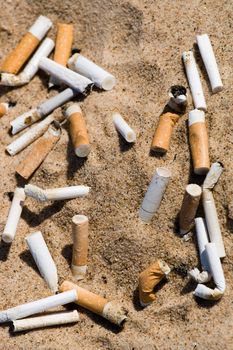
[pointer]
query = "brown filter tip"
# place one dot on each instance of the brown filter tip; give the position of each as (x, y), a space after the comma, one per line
(64, 43)
(198, 139)
(79, 135)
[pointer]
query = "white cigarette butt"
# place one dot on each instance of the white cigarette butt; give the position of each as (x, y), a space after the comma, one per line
(124, 129)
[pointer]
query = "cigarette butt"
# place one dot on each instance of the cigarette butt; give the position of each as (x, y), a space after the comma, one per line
(14, 215)
(202, 240)
(45, 321)
(149, 278)
(189, 208)
(16, 59)
(213, 175)
(78, 131)
(97, 304)
(3, 109)
(198, 139)
(123, 128)
(177, 98)
(64, 43)
(39, 152)
(163, 132)
(80, 246)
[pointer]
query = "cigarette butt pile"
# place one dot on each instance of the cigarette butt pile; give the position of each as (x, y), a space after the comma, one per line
(78, 75)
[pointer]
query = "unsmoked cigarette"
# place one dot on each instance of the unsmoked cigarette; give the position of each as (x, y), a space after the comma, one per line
(3, 109)
(14, 215)
(149, 278)
(54, 194)
(16, 59)
(78, 131)
(55, 319)
(35, 307)
(189, 208)
(39, 152)
(163, 132)
(97, 304)
(80, 246)
(198, 139)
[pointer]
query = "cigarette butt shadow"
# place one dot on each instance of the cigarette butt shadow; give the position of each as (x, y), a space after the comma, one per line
(207, 304)
(4, 250)
(188, 288)
(28, 259)
(201, 65)
(44, 77)
(74, 162)
(34, 219)
(21, 182)
(124, 145)
(230, 224)
(67, 253)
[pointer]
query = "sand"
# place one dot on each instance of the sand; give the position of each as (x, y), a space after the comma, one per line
(141, 43)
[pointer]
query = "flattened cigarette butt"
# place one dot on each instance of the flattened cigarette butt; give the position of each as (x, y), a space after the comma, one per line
(80, 246)
(35, 307)
(123, 128)
(97, 304)
(46, 321)
(177, 98)
(208, 57)
(213, 175)
(189, 208)
(39, 152)
(149, 278)
(16, 59)
(163, 132)
(53, 194)
(198, 139)
(14, 215)
(89, 69)
(3, 109)
(78, 130)
(43, 259)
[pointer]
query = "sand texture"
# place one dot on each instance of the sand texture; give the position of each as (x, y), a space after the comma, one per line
(141, 43)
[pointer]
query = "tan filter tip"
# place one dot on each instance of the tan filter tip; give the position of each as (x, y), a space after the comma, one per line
(149, 278)
(114, 313)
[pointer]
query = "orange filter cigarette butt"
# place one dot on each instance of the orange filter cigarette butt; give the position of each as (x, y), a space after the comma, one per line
(163, 132)
(97, 304)
(27, 45)
(198, 139)
(149, 278)
(3, 109)
(80, 246)
(64, 43)
(38, 153)
(78, 130)
(189, 208)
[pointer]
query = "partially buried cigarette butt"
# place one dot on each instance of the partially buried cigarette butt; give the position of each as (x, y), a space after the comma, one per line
(16, 59)
(39, 152)
(163, 132)
(80, 246)
(149, 278)
(14, 215)
(123, 128)
(189, 208)
(55, 319)
(3, 109)
(78, 130)
(198, 139)
(97, 304)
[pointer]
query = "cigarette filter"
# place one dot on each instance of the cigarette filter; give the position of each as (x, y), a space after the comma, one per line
(43, 259)
(16, 59)
(14, 215)
(80, 246)
(28, 137)
(97, 304)
(64, 75)
(54, 194)
(57, 319)
(198, 139)
(31, 68)
(210, 63)
(213, 175)
(44, 109)
(100, 77)
(189, 208)
(194, 80)
(78, 131)
(149, 278)
(212, 222)
(154, 194)
(3, 109)
(163, 132)
(39, 152)
(123, 128)
(35, 307)
(177, 98)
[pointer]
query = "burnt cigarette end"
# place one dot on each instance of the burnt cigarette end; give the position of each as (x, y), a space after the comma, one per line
(177, 90)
